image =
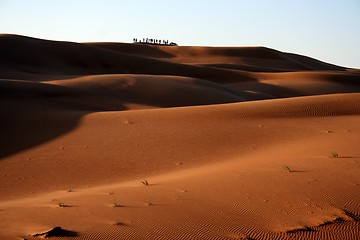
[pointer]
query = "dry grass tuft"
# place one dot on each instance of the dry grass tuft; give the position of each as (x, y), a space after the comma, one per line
(145, 183)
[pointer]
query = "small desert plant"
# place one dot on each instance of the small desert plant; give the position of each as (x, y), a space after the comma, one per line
(288, 169)
(118, 223)
(148, 203)
(61, 204)
(116, 204)
(145, 183)
(334, 155)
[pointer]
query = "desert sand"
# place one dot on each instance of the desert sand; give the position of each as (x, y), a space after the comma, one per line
(135, 141)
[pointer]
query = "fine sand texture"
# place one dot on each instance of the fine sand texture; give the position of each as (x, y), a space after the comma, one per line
(135, 141)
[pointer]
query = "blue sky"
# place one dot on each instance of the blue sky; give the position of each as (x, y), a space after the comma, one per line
(328, 30)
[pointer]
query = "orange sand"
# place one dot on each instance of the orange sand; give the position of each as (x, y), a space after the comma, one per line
(235, 143)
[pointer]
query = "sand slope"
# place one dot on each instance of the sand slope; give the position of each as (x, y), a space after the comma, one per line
(234, 143)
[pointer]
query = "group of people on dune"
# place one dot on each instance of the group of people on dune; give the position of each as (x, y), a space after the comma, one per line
(154, 41)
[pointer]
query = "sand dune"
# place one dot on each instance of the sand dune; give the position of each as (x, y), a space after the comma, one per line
(132, 141)
(254, 58)
(29, 58)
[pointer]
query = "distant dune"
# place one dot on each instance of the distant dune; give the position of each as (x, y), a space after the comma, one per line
(136, 141)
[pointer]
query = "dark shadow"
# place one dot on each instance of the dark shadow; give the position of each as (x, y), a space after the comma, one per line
(297, 171)
(312, 63)
(250, 68)
(120, 224)
(24, 55)
(151, 204)
(337, 220)
(353, 215)
(134, 49)
(255, 90)
(57, 232)
(297, 230)
(123, 206)
(33, 113)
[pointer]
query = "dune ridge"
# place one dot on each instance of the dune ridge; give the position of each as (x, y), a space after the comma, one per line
(134, 141)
